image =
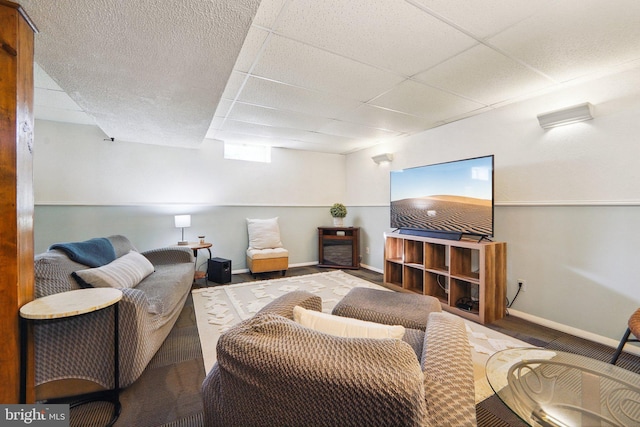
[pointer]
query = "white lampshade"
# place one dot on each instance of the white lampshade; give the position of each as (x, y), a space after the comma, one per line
(183, 221)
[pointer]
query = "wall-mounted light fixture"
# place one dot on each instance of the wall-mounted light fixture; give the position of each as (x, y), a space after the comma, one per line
(565, 116)
(183, 221)
(383, 158)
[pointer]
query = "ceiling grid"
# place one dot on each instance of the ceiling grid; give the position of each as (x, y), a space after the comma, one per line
(332, 76)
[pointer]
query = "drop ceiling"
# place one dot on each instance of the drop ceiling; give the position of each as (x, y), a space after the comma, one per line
(332, 76)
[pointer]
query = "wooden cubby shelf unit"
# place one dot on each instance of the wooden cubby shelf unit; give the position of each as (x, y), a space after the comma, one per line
(451, 270)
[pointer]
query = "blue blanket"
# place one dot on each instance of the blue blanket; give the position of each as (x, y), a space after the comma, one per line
(94, 252)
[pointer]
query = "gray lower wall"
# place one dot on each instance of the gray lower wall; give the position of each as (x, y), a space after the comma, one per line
(150, 227)
(577, 260)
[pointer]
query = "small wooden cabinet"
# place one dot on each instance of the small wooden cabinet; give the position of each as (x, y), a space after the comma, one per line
(339, 247)
(468, 277)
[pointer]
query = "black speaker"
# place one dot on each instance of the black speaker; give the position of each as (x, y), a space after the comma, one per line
(219, 270)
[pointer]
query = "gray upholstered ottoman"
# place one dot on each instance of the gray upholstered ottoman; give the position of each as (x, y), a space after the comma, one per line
(387, 307)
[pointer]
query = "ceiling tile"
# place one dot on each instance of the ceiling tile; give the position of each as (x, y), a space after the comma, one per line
(217, 122)
(355, 130)
(223, 108)
(274, 117)
(390, 120)
(265, 130)
(272, 94)
(576, 37)
(324, 138)
(234, 84)
(494, 78)
(250, 49)
(332, 145)
(391, 35)
(487, 17)
(242, 138)
(423, 101)
(268, 12)
(316, 69)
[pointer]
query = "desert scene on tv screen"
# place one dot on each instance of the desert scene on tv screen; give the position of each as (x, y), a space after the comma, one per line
(466, 215)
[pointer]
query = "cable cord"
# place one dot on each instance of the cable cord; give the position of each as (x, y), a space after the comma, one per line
(444, 288)
(509, 304)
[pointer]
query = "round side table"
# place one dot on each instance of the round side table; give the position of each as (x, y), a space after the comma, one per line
(68, 304)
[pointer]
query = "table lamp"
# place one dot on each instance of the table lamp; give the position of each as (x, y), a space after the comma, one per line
(183, 221)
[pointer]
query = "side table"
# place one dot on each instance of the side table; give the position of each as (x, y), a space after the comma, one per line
(195, 247)
(68, 304)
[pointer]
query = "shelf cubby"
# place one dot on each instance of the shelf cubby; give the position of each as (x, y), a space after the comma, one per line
(465, 263)
(413, 252)
(394, 250)
(393, 273)
(436, 257)
(437, 285)
(413, 279)
(460, 291)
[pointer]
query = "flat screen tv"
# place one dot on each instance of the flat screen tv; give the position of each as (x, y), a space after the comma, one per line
(447, 200)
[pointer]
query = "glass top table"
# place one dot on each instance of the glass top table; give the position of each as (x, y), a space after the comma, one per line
(554, 388)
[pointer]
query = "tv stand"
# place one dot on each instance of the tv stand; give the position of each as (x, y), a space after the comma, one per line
(447, 235)
(468, 277)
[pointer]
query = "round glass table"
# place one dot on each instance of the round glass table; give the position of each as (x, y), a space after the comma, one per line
(554, 388)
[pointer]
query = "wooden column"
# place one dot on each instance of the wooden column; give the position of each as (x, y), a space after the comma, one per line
(16, 193)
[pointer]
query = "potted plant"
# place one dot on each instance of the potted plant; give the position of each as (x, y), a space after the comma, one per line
(338, 211)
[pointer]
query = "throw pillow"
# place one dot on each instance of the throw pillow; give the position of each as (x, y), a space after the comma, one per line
(264, 233)
(124, 272)
(345, 326)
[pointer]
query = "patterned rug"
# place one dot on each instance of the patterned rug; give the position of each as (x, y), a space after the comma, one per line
(218, 308)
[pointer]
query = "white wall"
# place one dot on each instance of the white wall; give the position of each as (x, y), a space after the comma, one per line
(86, 187)
(567, 200)
(74, 165)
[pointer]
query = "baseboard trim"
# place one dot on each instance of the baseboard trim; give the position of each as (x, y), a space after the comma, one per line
(369, 267)
(301, 264)
(630, 348)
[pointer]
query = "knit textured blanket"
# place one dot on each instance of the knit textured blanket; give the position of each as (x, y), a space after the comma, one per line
(93, 253)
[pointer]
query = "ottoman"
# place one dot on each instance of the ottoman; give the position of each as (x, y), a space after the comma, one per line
(388, 307)
(264, 260)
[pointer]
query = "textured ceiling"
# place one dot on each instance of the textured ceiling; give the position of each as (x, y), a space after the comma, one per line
(332, 75)
(143, 70)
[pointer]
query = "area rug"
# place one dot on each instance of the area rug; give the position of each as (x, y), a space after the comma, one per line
(219, 308)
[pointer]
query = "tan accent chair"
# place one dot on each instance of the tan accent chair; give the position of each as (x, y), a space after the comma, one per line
(266, 252)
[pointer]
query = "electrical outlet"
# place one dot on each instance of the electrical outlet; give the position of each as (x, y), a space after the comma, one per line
(522, 284)
(367, 250)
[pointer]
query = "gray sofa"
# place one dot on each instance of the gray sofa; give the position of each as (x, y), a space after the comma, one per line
(272, 371)
(75, 355)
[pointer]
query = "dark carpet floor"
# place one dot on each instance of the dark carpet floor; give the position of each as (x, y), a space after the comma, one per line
(168, 392)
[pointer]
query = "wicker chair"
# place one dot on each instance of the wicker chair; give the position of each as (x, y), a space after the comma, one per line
(634, 328)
